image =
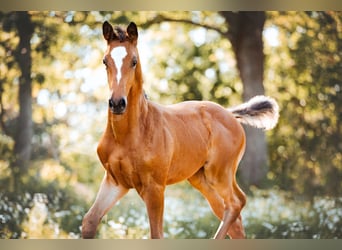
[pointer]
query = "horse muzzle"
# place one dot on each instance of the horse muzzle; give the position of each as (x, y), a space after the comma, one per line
(117, 106)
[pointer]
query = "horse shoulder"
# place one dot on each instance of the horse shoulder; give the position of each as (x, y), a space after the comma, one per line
(156, 135)
(158, 126)
(105, 147)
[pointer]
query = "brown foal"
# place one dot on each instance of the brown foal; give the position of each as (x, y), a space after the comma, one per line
(147, 146)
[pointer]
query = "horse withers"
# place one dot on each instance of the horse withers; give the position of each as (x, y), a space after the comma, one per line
(147, 146)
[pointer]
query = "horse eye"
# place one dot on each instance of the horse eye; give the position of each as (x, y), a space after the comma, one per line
(134, 62)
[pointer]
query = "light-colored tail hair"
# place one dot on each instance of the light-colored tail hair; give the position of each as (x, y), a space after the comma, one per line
(260, 112)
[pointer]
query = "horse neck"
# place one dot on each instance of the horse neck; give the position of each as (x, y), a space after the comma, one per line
(129, 123)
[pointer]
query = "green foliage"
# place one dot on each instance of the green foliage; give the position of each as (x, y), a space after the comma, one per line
(278, 215)
(191, 63)
(305, 147)
(40, 209)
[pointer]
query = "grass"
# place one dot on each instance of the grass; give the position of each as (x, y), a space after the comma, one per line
(268, 214)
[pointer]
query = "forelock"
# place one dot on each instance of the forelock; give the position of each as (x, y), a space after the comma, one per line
(120, 34)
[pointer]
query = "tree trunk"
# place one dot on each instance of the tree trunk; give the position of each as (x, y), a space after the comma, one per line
(245, 35)
(24, 129)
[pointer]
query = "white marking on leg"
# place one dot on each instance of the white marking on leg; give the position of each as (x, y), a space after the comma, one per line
(108, 195)
(118, 54)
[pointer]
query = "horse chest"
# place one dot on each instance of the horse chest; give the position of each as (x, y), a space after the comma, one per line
(132, 169)
(121, 170)
(139, 160)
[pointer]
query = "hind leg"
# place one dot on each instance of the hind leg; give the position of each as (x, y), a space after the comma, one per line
(198, 181)
(236, 231)
(220, 173)
(234, 200)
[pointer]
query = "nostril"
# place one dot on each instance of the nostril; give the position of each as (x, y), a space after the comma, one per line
(122, 103)
(111, 103)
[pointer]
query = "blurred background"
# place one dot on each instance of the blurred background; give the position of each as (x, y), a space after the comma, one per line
(53, 107)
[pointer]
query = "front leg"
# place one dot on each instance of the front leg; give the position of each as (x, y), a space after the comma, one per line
(108, 195)
(153, 196)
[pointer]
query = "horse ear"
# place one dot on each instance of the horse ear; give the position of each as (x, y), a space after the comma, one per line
(132, 32)
(108, 32)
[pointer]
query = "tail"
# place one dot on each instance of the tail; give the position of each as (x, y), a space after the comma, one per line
(260, 112)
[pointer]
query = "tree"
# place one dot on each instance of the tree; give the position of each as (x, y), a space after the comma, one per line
(24, 130)
(29, 35)
(34, 59)
(305, 148)
(245, 35)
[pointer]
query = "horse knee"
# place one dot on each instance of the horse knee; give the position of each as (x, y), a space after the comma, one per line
(89, 226)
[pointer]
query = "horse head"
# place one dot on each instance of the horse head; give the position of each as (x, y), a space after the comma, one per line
(122, 64)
